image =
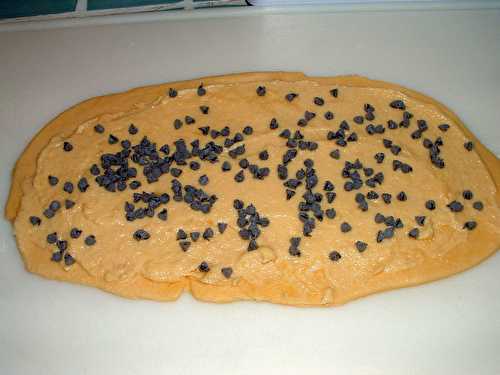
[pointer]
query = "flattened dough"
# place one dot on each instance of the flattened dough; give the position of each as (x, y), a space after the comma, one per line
(157, 268)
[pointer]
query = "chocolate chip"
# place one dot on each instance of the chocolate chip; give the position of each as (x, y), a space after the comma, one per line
(237, 204)
(68, 204)
(68, 260)
(395, 149)
(302, 122)
(430, 205)
(112, 139)
(335, 154)
(469, 146)
(184, 245)
(398, 104)
(53, 181)
(201, 91)
(75, 233)
(319, 101)
(208, 234)
(334, 92)
(189, 120)
(386, 198)
(329, 115)
(361, 246)
(90, 240)
(221, 227)
(203, 267)
(402, 196)
(330, 213)
(345, 227)
(99, 128)
(478, 205)
(181, 235)
(52, 238)
(379, 218)
(204, 109)
(252, 245)
(54, 206)
(285, 133)
(289, 97)
(309, 115)
(67, 146)
(455, 206)
(470, 225)
(203, 180)
(172, 93)
(240, 176)
(467, 194)
(379, 157)
(135, 185)
(261, 91)
(414, 233)
(264, 155)
(353, 137)
(227, 272)
(388, 232)
(443, 127)
(163, 214)
(141, 234)
(358, 119)
(83, 184)
(334, 256)
(420, 220)
(176, 172)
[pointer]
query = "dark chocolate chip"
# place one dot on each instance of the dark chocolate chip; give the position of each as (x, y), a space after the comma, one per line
(358, 119)
(443, 127)
(201, 91)
(420, 220)
(329, 115)
(90, 240)
(330, 213)
(112, 139)
(470, 225)
(467, 194)
(68, 260)
(52, 238)
(68, 204)
(203, 267)
(240, 176)
(478, 205)
(172, 93)
(163, 214)
(469, 146)
(379, 157)
(208, 234)
(386, 198)
(414, 233)
(334, 92)
(430, 204)
(181, 235)
(252, 245)
(361, 246)
(334, 256)
(75, 233)
(402, 196)
(184, 245)
(455, 206)
(319, 101)
(204, 109)
(289, 97)
(99, 128)
(68, 187)
(261, 91)
(67, 146)
(203, 180)
(345, 227)
(141, 234)
(53, 181)
(227, 272)
(83, 184)
(398, 104)
(335, 154)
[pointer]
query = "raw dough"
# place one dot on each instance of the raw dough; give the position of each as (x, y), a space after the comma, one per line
(158, 269)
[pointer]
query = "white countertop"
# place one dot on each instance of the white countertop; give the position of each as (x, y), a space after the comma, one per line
(447, 327)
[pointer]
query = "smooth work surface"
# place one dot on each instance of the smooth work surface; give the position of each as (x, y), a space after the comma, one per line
(447, 327)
